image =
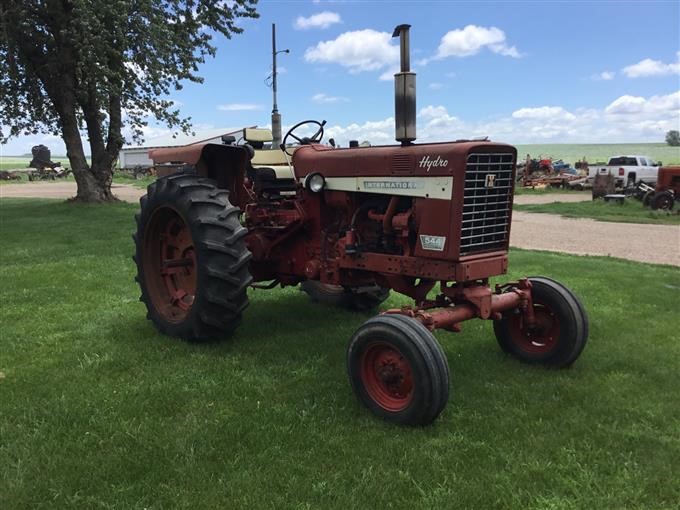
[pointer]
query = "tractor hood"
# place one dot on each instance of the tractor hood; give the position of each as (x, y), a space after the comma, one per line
(434, 159)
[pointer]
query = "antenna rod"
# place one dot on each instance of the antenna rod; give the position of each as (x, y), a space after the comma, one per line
(276, 117)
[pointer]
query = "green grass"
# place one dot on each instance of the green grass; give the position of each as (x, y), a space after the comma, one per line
(631, 211)
(520, 190)
(101, 411)
(594, 153)
(123, 178)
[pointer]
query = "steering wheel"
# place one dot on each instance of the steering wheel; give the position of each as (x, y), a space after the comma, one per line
(305, 140)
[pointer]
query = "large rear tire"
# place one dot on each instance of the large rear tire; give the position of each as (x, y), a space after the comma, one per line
(192, 261)
(335, 295)
(398, 370)
(561, 329)
(663, 200)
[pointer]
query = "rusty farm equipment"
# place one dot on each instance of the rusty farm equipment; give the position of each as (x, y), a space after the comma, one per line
(45, 168)
(544, 172)
(353, 224)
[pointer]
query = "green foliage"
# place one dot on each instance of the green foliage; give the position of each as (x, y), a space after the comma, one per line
(673, 138)
(96, 65)
(101, 411)
(631, 211)
(132, 51)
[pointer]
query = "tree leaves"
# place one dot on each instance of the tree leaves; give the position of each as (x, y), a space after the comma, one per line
(100, 64)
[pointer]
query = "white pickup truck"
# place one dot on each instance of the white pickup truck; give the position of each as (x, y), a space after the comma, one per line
(628, 170)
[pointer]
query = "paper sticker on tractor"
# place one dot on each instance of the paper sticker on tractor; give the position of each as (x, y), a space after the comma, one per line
(349, 225)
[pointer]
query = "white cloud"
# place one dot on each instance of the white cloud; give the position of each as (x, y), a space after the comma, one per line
(603, 76)
(471, 40)
(377, 132)
(627, 105)
(389, 74)
(361, 50)
(435, 86)
(239, 107)
(649, 67)
(324, 98)
(321, 20)
(543, 112)
(627, 119)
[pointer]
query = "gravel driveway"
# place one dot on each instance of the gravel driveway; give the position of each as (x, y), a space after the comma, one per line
(659, 244)
(63, 189)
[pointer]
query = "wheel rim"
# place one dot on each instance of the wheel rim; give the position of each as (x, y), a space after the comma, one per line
(541, 338)
(387, 376)
(169, 264)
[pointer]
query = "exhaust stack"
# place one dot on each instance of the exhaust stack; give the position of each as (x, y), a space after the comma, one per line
(405, 91)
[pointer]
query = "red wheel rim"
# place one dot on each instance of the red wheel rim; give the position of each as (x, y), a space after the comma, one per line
(540, 338)
(387, 376)
(169, 264)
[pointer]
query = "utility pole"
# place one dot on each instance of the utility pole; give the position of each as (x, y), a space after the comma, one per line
(276, 117)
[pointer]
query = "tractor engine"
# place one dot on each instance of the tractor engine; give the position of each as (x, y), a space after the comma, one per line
(435, 212)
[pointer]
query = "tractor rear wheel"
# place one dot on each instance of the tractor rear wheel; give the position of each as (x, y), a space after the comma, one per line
(192, 261)
(560, 333)
(398, 370)
(662, 200)
(336, 295)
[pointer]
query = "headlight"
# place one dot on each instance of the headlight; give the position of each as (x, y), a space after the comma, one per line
(315, 182)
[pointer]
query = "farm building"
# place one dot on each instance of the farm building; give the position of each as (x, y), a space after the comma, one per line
(138, 155)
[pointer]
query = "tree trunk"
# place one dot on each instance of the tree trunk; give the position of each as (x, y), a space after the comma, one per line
(94, 184)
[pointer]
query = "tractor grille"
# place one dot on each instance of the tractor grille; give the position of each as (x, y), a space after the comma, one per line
(486, 204)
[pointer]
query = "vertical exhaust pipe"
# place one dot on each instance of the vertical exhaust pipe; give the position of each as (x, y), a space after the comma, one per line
(404, 91)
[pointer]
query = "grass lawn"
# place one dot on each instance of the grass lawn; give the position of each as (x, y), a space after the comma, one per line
(143, 183)
(631, 211)
(520, 190)
(101, 411)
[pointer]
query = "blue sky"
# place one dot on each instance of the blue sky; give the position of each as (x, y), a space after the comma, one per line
(520, 72)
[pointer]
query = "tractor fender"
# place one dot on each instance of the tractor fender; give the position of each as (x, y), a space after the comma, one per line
(225, 164)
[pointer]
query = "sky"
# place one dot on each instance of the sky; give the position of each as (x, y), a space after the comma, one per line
(516, 71)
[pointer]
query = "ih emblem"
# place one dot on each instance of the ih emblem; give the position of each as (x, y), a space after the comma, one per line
(490, 180)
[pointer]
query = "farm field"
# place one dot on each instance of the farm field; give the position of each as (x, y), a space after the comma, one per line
(568, 152)
(631, 211)
(22, 162)
(571, 153)
(100, 410)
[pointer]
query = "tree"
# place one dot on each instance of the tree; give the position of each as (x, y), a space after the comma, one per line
(96, 66)
(673, 138)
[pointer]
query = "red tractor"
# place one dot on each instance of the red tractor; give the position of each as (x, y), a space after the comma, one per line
(349, 224)
(667, 190)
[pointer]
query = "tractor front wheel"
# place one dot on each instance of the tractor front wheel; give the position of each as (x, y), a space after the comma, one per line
(560, 331)
(192, 261)
(398, 370)
(362, 299)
